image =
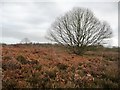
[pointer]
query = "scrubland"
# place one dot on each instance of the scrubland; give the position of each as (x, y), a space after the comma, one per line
(53, 66)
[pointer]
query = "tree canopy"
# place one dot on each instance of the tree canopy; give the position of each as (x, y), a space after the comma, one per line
(79, 28)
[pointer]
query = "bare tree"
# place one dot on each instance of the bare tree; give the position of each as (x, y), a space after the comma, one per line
(79, 28)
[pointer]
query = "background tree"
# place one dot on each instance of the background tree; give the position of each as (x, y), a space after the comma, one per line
(25, 41)
(78, 29)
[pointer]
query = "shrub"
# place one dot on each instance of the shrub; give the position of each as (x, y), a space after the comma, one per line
(104, 83)
(111, 74)
(34, 80)
(62, 66)
(37, 67)
(112, 56)
(9, 84)
(22, 59)
(33, 62)
(73, 69)
(6, 58)
(52, 74)
(11, 65)
(109, 84)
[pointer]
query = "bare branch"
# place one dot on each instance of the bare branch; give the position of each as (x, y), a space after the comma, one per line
(79, 27)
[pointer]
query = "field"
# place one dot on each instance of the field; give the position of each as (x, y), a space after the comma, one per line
(52, 66)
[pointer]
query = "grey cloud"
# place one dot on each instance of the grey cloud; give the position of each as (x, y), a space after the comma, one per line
(32, 19)
(17, 34)
(45, 12)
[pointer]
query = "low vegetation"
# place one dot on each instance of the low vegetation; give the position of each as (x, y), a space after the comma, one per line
(24, 69)
(21, 59)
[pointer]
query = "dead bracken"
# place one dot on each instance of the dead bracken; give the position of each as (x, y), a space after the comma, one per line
(34, 70)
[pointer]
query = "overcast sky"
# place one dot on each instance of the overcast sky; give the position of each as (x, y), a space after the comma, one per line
(32, 19)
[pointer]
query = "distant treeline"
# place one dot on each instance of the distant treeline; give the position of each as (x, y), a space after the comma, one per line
(91, 47)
